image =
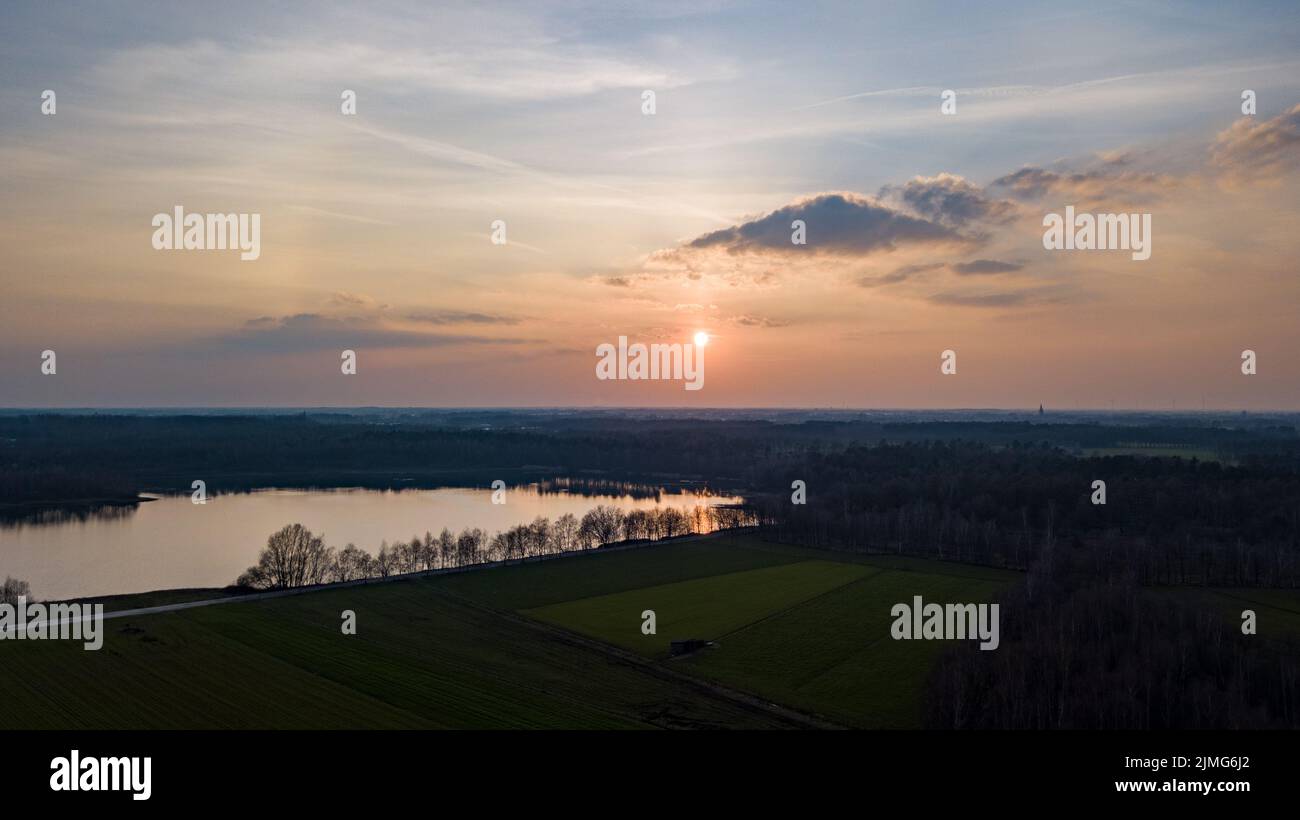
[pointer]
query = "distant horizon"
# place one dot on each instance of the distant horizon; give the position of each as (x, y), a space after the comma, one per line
(650, 408)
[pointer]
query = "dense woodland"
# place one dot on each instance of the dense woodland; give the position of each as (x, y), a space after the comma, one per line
(1085, 646)
(1170, 520)
(53, 456)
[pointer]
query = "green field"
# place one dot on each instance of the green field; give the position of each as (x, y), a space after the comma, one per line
(505, 648)
(702, 607)
(812, 634)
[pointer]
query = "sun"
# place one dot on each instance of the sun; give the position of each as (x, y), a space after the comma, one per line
(701, 338)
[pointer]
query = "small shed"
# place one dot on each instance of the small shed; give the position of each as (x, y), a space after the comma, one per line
(687, 646)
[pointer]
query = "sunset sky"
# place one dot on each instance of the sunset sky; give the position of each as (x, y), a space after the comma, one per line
(924, 229)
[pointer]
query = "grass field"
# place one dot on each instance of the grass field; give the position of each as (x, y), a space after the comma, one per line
(539, 645)
(482, 649)
(425, 656)
(702, 607)
(813, 634)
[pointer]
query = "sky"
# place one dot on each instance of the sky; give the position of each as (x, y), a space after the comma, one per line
(923, 229)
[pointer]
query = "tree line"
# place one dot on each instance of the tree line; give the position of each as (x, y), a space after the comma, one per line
(296, 557)
(56, 456)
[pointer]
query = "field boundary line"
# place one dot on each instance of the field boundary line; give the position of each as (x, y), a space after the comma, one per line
(1254, 601)
(869, 555)
(804, 602)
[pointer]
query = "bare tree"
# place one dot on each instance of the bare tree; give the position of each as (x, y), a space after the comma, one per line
(471, 547)
(446, 548)
(293, 557)
(385, 561)
(350, 564)
(564, 533)
(601, 525)
(673, 522)
(654, 522)
(13, 589)
(636, 525)
(539, 536)
(428, 552)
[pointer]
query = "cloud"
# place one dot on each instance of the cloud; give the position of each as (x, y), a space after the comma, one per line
(988, 300)
(312, 331)
(1051, 295)
(1091, 187)
(898, 275)
(1251, 149)
(749, 320)
(358, 305)
(978, 267)
(460, 317)
(949, 200)
(933, 91)
(505, 63)
(837, 223)
(984, 266)
(353, 301)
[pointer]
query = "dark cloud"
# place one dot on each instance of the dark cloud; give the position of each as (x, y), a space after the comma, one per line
(1028, 182)
(1099, 185)
(984, 266)
(844, 223)
(948, 200)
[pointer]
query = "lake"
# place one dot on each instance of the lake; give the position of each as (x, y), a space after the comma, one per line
(171, 542)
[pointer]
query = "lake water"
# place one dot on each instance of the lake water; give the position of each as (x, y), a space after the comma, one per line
(172, 542)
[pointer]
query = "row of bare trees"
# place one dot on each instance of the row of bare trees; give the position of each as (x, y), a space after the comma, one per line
(296, 557)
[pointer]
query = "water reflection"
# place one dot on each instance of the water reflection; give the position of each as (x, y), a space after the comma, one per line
(47, 516)
(172, 543)
(613, 487)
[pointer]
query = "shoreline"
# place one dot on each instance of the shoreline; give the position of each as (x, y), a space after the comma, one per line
(234, 594)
